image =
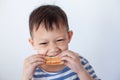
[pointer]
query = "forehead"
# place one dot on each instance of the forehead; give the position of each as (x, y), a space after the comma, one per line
(51, 26)
(55, 29)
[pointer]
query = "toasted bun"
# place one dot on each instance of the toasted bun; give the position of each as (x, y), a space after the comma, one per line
(53, 61)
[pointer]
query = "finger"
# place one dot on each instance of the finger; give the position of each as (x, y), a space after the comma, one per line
(37, 55)
(68, 64)
(34, 56)
(68, 59)
(36, 64)
(69, 53)
(36, 60)
(64, 53)
(33, 59)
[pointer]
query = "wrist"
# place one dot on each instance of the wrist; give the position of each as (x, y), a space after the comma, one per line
(81, 70)
(25, 78)
(84, 75)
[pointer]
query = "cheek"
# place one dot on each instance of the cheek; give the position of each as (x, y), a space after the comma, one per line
(64, 47)
(41, 51)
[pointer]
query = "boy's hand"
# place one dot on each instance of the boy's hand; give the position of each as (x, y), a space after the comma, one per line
(72, 60)
(30, 64)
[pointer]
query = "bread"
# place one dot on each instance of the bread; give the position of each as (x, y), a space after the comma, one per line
(53, 61)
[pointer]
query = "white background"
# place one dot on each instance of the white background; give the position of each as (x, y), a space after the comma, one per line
(96, 27)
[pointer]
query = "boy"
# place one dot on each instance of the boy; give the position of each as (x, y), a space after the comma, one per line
(50, 36)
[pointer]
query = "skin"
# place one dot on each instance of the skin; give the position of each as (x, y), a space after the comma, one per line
(53, 43)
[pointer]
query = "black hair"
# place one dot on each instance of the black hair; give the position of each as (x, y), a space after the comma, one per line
(49, 15)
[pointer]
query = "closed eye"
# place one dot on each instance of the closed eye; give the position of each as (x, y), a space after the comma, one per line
(43, 43)
(60, 40)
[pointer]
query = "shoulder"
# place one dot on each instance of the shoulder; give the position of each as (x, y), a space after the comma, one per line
(83, 60)
(86, 64)
(88, 67)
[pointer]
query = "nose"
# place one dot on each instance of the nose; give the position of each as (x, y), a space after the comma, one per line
(53, 49)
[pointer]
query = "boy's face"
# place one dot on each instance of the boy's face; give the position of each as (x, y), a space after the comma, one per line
(51, 42)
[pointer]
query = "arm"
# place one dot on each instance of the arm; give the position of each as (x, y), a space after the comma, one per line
(87, 69)
(79, 65)
(84, 75)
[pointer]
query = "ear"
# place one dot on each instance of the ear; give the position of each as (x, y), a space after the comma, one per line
(31, 42)
(70, 34)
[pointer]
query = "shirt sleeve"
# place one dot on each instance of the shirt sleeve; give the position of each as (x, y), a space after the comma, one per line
(89, 68)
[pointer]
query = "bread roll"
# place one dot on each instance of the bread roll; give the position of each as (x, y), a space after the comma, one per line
(53, 61)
